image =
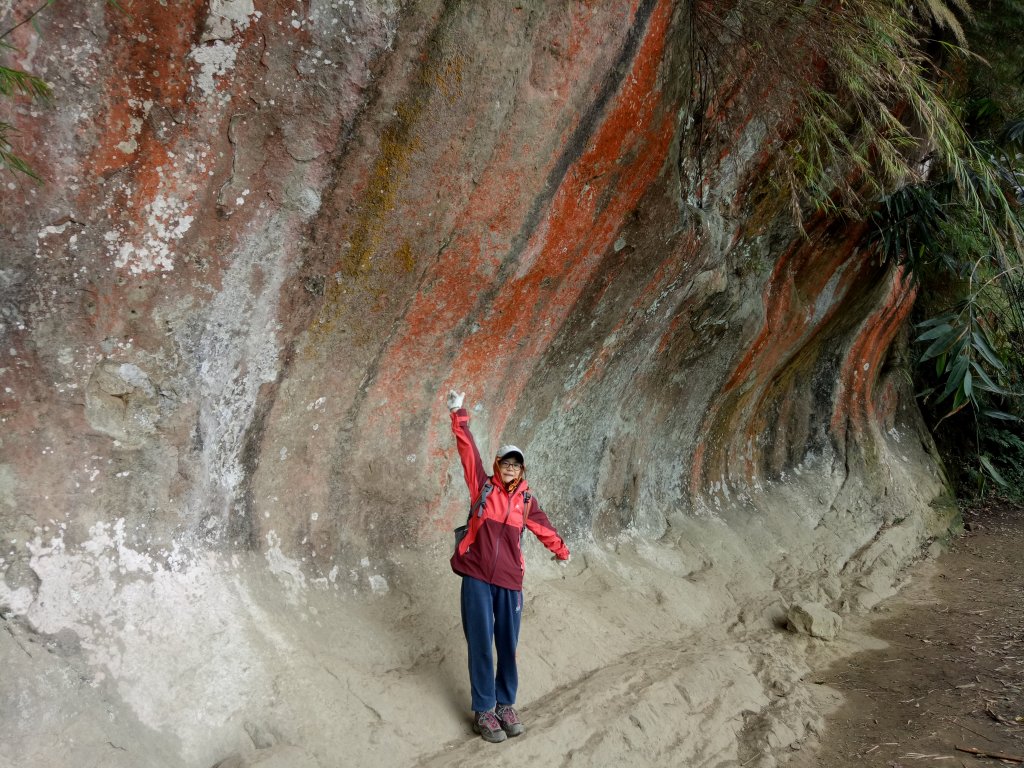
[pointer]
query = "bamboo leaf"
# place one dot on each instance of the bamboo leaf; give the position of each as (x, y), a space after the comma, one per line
(933, 321)
(10, 160)
(16, 81)
(943, 344)
(960, 399)
(1001, 415)
(986, 351)
(953, 411)
(992, 471)
(935, 333)
(986, 383)
(955, 379)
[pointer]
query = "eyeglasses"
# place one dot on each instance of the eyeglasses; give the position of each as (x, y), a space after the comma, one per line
(510, 465)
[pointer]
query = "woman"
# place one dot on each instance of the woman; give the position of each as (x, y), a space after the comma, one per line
(490, 561)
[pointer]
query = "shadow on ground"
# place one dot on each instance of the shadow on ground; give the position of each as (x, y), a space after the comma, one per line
(952, 676)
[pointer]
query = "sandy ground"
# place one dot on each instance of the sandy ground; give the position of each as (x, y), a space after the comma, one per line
(951, 673)
(662, 653)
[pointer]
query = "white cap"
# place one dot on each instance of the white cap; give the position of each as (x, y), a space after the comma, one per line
(506, 450)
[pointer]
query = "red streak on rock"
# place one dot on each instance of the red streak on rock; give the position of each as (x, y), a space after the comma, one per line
(145, 69)
(798, 280)
(856, 404)
(621, 160)
(806, 289)
(150, 64)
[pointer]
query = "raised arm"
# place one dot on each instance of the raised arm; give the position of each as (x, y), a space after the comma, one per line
(472, 465)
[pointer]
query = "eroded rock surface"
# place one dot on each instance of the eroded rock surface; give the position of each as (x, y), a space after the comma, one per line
(274, 234)
(814, 619)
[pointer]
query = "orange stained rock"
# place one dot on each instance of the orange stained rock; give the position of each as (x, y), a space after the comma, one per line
(805, 291)
(149, 64)
(519, 314)
(623, 158)
(797, 282)
(517, 323)
(148, 68)
(855, 403)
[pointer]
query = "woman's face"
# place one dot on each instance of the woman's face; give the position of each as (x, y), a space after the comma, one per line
(510, 469)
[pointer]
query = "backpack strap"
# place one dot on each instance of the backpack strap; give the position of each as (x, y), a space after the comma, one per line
(478, 506)
(527, 500)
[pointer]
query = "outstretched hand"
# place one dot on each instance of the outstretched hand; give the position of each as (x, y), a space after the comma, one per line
(455, 399)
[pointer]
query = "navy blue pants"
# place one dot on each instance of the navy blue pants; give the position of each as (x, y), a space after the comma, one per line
(490, 619)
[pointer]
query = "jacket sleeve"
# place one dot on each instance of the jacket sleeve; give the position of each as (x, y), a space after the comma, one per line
(472, 465)
(542, 528)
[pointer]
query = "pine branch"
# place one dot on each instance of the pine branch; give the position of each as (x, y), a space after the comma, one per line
(27, 19)
(17, 81)
(10, 160)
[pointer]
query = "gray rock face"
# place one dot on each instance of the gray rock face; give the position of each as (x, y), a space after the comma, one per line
(273, 234)
(121, 402)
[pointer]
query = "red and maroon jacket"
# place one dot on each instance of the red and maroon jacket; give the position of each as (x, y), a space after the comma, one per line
(490, 550)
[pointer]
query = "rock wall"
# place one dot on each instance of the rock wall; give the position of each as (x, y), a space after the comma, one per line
(272, 235)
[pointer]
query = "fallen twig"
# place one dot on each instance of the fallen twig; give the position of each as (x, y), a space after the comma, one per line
(752, 759)
(958, 724)
(997, 717)
(993, 755)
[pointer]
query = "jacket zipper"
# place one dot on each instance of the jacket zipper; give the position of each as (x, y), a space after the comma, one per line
(504, 526)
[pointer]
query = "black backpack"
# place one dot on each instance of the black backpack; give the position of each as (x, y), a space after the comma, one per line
(478, 508)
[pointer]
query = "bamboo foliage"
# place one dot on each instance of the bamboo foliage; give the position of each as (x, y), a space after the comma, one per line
(881, 133)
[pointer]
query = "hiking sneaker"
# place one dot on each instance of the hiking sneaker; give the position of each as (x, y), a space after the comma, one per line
(509, 719)
(488, 726)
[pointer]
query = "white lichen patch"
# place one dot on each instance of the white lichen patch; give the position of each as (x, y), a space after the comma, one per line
(15, 602)
(214, 60)
(142, 107)
(52, 230)
(167, 221)
(378, 584)
(228, 18)
(216, 56)
(111, 538)
(238, 354)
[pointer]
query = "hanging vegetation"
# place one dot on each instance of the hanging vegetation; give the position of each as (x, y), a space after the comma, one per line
(886, 132)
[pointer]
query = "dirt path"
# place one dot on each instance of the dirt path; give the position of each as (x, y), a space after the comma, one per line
(953, 672)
